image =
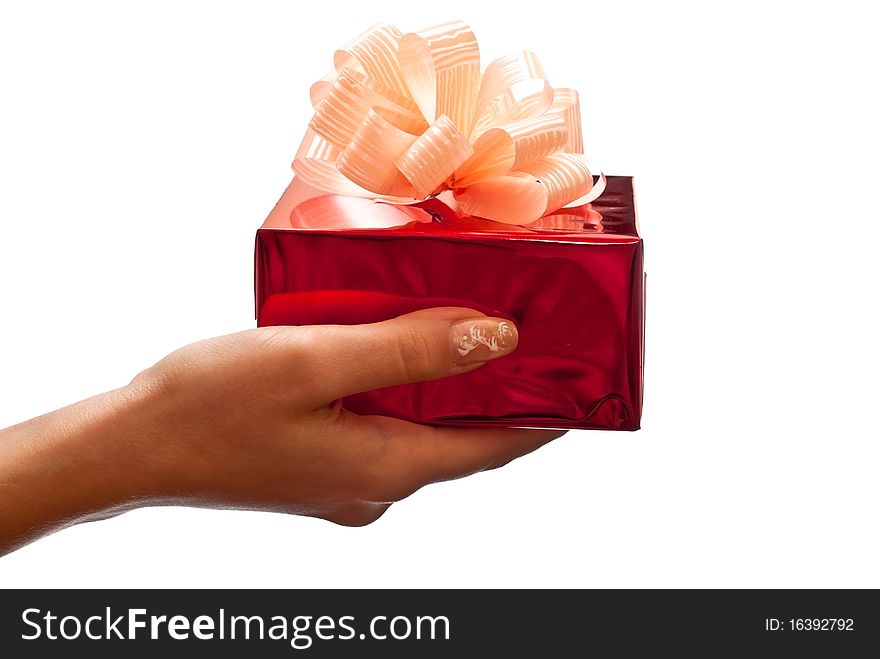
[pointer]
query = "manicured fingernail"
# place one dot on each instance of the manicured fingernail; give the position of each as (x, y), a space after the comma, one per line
(477, 340)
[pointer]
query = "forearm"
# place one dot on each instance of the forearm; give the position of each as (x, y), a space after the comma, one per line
(82, 462)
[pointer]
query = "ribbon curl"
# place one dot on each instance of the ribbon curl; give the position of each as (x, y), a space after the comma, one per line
(404, 117)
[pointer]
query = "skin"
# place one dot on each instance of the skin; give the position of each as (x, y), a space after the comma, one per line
(253, 421)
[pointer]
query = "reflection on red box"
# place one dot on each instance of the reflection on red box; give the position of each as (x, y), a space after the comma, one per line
(573, 283)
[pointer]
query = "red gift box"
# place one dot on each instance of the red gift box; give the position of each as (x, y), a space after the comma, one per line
(572, 281)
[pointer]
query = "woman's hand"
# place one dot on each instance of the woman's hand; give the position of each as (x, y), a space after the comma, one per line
(253, 420)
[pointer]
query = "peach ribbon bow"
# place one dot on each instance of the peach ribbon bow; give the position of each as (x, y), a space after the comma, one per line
(404, 117)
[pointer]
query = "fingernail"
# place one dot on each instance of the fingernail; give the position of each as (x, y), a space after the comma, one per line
(477, 340)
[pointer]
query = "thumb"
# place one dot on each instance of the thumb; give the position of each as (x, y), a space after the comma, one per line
(424, 345)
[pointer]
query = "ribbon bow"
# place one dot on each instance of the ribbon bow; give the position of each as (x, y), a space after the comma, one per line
(404, 117)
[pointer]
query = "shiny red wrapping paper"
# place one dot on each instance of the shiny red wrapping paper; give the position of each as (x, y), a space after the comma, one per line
(573, 282)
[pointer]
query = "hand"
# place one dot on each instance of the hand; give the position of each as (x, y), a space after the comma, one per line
(253, 420)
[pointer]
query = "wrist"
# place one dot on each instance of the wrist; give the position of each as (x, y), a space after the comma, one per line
(120, 449)
(83, 462)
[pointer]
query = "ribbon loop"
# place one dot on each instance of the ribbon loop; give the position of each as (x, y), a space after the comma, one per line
(375, 54)
(434, 156)
(441, 66)
(369, 159)
(505, 72)
(566, 104)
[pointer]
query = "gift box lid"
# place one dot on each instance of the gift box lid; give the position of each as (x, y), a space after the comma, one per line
(609, 219)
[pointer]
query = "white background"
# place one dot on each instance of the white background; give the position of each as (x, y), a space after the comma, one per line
(141, 145)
